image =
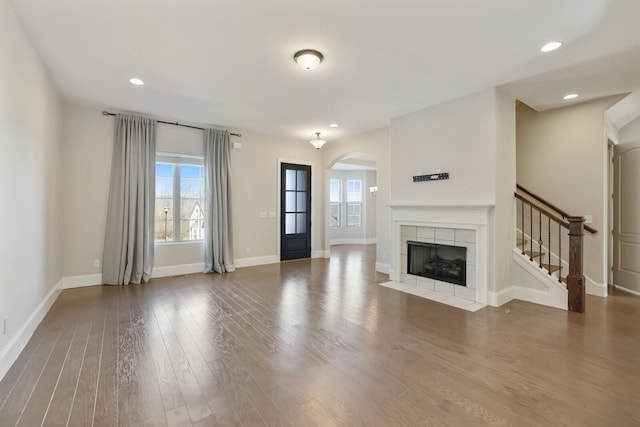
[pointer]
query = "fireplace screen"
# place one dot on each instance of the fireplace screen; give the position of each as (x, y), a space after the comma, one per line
(441, 262)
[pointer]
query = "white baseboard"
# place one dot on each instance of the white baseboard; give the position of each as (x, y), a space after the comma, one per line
(382, 267)
(72, 282)
(541, 297)
(321, 254)
(593, 288)
(496, 299)
(15, 346)
(258, 260)
(353, 241)
(177, 270)
(82, 281)
(623, 289)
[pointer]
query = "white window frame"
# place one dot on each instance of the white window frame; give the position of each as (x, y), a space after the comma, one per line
(354, 220)
(354, 198)
(176, 160)
(335, 202)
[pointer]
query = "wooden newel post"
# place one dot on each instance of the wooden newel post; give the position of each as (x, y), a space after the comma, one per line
(575, 279)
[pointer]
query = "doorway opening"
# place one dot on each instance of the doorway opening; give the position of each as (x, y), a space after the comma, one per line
(351, 200)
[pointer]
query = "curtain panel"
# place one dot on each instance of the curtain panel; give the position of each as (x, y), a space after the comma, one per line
(129, 237)
(218, 252)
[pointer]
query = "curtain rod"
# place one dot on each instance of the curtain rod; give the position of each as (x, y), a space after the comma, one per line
(106, 113)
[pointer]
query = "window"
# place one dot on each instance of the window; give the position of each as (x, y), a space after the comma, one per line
(354, 190)
(335, 202)
(179, 199)
(354, 203)
(354, 214)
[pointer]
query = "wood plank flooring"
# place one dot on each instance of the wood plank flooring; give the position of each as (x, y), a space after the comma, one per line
(317, 342)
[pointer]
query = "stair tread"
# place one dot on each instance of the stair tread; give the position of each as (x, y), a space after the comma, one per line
(552, 268)
(519, 242)
(534, 254)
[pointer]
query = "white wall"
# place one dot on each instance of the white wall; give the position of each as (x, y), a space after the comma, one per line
(87, 150)
(376, 145)
(630, 132)
(370, 205)
(562, 157)
(255, 176)
(456, 137)
(473, 139)
(30, 190)
(505, 180)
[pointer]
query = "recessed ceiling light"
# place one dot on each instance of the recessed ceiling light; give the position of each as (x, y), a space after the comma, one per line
(136, 82)
(551, 46)
(570, 96)
(333, 125)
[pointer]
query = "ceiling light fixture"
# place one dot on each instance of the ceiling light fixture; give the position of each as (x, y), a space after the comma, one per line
(570, 96)
(308, 59)
(136, 82)
(551, 46)
(333, 125)
(317, 142)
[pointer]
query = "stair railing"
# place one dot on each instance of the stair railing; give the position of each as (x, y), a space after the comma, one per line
(543, 214)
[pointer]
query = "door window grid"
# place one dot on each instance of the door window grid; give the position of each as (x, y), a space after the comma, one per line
(295, 202)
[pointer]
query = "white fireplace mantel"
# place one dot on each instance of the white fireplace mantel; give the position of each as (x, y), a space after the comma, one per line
(470, 217)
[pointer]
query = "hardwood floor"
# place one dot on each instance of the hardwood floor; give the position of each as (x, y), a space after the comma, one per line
(318, 342)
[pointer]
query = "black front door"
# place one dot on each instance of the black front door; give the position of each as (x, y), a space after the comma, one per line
(295, 211)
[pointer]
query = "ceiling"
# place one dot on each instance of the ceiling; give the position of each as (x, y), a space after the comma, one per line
(230, 63)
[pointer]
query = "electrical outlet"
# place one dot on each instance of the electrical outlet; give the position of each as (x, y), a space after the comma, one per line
(588, 219)
(262, 214)
(4, 325)
(96, 263)
(272, 214)
(248, 249)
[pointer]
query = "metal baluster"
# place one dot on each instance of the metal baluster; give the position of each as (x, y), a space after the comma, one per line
(540, 237)
(531, 232)
(549, 247)
(560, 252)
(522, 226)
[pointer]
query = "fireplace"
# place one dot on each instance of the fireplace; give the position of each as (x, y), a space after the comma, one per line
(445, 263)
(462, 226)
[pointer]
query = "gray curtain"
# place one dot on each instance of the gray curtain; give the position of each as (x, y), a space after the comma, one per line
(218, 252)
(128, 243)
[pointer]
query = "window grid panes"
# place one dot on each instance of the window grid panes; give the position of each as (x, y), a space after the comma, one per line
(179, 207)
(354, 211)
(334, 215)
(354, 190)
(295, 218)
(335, 205)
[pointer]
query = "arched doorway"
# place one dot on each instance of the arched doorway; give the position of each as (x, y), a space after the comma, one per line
(351, 190)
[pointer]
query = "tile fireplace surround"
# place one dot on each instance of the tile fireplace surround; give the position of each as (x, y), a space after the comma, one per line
(459, 225)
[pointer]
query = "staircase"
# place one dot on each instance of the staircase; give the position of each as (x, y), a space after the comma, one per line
(552, 240)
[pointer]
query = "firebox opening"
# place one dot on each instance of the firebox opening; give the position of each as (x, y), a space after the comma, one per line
(440, 262)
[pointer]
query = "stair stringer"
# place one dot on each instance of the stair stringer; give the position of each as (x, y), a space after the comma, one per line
(534, 284)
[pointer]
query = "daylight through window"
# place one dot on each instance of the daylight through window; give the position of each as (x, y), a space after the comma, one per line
(179, 208)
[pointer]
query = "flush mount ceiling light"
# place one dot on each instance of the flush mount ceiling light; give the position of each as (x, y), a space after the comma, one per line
(333, 125)
(317, 142)
(570, 96)
(308, 59)
(551, 46)
(136, 82)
